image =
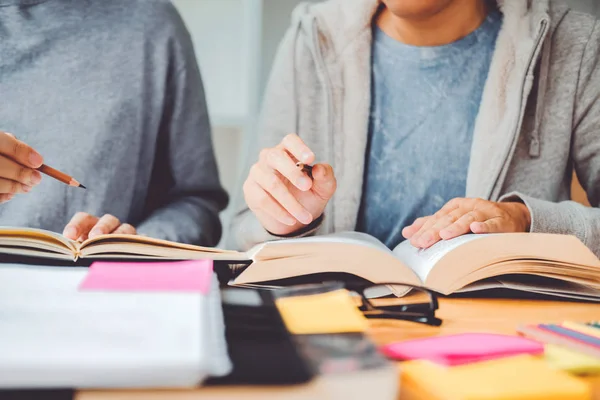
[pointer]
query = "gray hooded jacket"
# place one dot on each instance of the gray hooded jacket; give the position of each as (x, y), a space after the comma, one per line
(539, 118)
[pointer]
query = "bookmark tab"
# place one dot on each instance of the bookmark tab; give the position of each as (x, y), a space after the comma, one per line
(177, 276)
(330, 312)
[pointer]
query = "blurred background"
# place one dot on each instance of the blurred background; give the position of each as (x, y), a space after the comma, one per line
(235, 42)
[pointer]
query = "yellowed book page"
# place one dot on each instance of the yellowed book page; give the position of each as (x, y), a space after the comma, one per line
(339, 253)
(499, 248)
(119, 245)
(36, 239)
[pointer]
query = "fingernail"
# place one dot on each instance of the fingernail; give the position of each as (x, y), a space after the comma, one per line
(26, 188)
(71, 232)
(289, 221)
(303, 183)
(35, 178)
(95, 232)
(35, 159)
(305, 218)
(306, 156)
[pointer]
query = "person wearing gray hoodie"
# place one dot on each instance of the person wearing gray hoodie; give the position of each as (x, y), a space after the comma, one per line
(504, 165)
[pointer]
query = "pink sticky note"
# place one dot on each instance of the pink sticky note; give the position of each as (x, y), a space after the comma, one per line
(177, 276)
(463, 348)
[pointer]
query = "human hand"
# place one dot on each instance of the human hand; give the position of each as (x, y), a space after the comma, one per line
(461, 216)
(283, 198)
(83, 226)
(17, 167)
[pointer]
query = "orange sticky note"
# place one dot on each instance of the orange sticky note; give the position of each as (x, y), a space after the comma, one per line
(330, 312)
(522, 377)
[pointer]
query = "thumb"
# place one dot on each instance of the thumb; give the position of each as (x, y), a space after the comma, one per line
(324, 183)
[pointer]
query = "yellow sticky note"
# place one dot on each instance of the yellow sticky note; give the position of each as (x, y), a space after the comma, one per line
(330, 312)
(514, 378)
(570, 361)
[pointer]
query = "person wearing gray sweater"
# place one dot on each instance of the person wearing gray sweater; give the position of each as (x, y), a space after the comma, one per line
(108, 91)
(382, 94)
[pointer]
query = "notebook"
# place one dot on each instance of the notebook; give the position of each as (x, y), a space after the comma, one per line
(539, 263)
(521, 377)
(57, 336)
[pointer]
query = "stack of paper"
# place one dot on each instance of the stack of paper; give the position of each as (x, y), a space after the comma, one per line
(54, 333)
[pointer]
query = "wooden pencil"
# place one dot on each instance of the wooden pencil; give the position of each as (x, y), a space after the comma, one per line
(305, 168)
(60, 176)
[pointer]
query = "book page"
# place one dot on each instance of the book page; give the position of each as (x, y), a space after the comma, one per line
(125, 246)
(422, 261)
(36, 238)
(361, 239)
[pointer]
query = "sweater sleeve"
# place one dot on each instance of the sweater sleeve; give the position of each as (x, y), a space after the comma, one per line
(185, 194)
(569, 217)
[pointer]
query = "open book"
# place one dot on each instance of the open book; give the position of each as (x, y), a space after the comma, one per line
(534, 262)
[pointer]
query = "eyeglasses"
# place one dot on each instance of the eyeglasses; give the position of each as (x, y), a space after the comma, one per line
(387, 300)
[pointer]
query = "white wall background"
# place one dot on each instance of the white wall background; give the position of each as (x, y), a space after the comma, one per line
(235, 42)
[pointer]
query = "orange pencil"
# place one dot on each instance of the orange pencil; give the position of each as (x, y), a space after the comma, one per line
(56, 174)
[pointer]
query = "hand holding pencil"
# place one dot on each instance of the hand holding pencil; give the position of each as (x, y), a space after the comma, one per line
(21, 167)
(284, 191)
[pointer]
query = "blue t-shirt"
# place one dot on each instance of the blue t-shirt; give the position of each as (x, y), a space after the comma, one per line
(423, 109)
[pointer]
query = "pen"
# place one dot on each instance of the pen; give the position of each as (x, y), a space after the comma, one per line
(56, 174)
(305, 168)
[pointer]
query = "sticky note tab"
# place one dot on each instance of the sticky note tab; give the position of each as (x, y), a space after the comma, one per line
(463, 348)
(177, 276)
(331, 312)
(520, 377)
(582, 328)
(571, 361)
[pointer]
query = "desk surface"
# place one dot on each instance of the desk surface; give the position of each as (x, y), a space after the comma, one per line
(459, 315)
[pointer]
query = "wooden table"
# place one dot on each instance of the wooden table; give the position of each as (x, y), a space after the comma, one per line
(459, 315)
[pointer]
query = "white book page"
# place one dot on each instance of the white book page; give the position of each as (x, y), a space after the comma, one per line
(357, 238)
(56, 336)
(422, 261)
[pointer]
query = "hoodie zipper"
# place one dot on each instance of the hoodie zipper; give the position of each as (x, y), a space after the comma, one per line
(522, 104)
(330, 119)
